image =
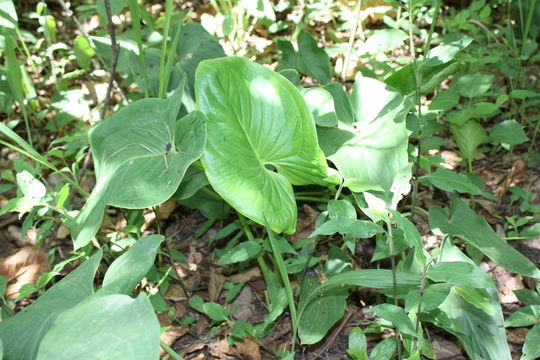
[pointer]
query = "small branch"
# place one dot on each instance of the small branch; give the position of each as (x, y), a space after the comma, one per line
(116, 51)
(70, 13)
(351, 40)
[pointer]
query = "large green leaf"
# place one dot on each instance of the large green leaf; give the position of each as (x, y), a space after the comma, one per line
(140, 155)
(257, 121)
(130, 268)
(374, 148)
(104, 327)
(22, 333)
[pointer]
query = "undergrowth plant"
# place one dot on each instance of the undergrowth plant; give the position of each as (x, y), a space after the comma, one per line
(221, 133)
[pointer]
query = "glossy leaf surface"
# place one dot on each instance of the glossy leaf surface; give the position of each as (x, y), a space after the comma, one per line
(104, 327)
(374, 147)
(257, 121)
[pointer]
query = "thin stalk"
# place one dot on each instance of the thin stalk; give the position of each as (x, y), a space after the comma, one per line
(116, 52)
(530, 14)
(249, 235)
(162, 80)
(338, 192)
(170, 351)
(352, 36)
(420, 300)
(136, 23)
(286, 282)
(390, 235)
(170, 58)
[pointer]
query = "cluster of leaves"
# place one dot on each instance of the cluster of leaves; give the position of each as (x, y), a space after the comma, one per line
(222, 133)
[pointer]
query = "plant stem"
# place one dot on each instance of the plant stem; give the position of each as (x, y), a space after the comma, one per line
(136, 23)
(162, 80)
(116, 51)
(351, 40)
(311, 198)
(170, 351)
(390, 235)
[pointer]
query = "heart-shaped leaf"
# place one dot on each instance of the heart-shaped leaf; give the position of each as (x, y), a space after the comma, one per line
(374, 148)
(257, 122)
(140, 155)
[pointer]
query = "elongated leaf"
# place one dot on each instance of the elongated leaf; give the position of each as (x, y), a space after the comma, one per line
(257, 121)
(374, 148)
(104, 327)
(451, 181)
(384, 350)
(482, 335)
(469, 137)
(357, 348)
(131, 267)
(460, 274)
(241, 252)
(140, 155)
(474, 228)
(22, 333)
(531, 350)
(360, 228)
(526, 316)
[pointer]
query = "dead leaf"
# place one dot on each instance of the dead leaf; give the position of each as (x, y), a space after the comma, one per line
(245, 275)
(447, 350)
(245, 350)
(215, 284)
(172, 334)
(166, 209)
(306, 223)
(23, 267)
(175, 293)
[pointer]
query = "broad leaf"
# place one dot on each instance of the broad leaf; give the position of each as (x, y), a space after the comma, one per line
(104, 327)
(374, 147)
(360, 228)
(244, 251)
(22, 333)
(526, 316)
(321, 314)
(460, 274)
(469, 137)
(509, 132)
(357, 348)
(531, 350)
(257, 121)
(130, 268)
(321, 104)
(309, 60)
(140, 155)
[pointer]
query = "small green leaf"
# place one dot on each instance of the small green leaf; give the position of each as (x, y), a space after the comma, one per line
(214, 311)
(341, 209)
(357, 185)
(509, 132)
(528, 297)
(241, 252)
(357, 344)
(526, 316)
(360, 228)
(130, 268)
(397, 316)
(474, 84)
(444, 101)
(469, 137)
(384, 40)
(384, 350)
(531, 350)
(83, 51)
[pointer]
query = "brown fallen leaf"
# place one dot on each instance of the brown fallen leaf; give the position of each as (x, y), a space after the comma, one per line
(215, 285)
(245, 350)
(23, 267)
(172, 334)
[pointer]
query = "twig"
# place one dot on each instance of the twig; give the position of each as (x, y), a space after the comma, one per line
(351, 40)
(116, 51)
(89, 39)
